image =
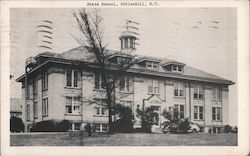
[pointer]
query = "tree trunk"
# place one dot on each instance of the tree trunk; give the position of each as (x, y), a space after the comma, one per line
(110, 123)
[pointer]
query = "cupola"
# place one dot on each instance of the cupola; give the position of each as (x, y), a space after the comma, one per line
(129, 36)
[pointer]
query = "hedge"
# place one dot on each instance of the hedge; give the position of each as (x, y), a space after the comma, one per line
(51, 126)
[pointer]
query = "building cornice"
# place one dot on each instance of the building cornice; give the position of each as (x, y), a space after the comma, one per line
(132, 70)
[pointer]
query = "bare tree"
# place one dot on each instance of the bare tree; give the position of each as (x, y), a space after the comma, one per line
(90, 26)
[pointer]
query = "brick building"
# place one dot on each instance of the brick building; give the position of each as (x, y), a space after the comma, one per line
(57, 83)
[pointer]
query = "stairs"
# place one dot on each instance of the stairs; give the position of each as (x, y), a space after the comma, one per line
(157, 130)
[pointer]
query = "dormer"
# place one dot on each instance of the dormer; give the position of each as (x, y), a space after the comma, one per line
(149, 63)
(174, 67)
(121, 58)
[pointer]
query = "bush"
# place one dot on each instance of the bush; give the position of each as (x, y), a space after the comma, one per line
(235, 129)
(146, 116)
(44, 126)
(227, 129)
(63, 126)
(184, 126)
(125, 123)
(51, 126)
(177, 125)
(16, 124)
(173, 128)
(123, 126)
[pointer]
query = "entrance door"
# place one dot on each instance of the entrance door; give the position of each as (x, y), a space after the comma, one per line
(156, 117)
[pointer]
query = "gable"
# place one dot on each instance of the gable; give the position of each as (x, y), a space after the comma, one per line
(153, 100)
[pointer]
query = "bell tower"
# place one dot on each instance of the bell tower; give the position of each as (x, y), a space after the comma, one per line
(129, 36)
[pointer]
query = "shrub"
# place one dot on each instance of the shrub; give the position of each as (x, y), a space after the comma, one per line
(51, 126)
(184, 126)
(235, 129)
(44, 126)
(177, 125)
(123, 126)
(227, 129)
(173, 128)
(16, 124)
(125, 123)
(63, 126)
(146, 116)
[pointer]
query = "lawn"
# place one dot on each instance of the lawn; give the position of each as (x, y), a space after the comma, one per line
(134, 139)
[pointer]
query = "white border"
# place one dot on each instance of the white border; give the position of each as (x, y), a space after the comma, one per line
(243, 90)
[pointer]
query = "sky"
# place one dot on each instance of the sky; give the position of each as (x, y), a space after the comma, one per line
(204, 38)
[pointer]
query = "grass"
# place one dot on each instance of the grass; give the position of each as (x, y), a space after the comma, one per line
(118, 139)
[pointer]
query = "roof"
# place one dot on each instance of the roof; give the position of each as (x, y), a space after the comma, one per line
(147, 58)
(83, 55)
(173, 62)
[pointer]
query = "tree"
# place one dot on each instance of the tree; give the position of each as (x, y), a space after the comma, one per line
(16, 124)
(146, 115)
(91, 27)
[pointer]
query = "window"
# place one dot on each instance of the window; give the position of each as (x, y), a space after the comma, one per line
(132, 43)
(101, 108)
(68, 105)
(152, 65)
(216, 113)
(180, 109)
(126, 103)
(77, 126)
(179, 88)
(45, 107)
(104, 127)
(174, 67)
(28, 112)
(29, 93)
(198, 112)
(35, 89)
(73, 105)
(177, 68)
(216, 92)
(45, 80)
(98, 127)
(35, 110)
(72, 78)
(125, 84)
(99, 81)
(101, 127)
(121, 44)
(198, 91)
(153, 87)
(150, 86)
(126, 43)
(75, 76)
(217, 130)
(68, 77)
(123, 60)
